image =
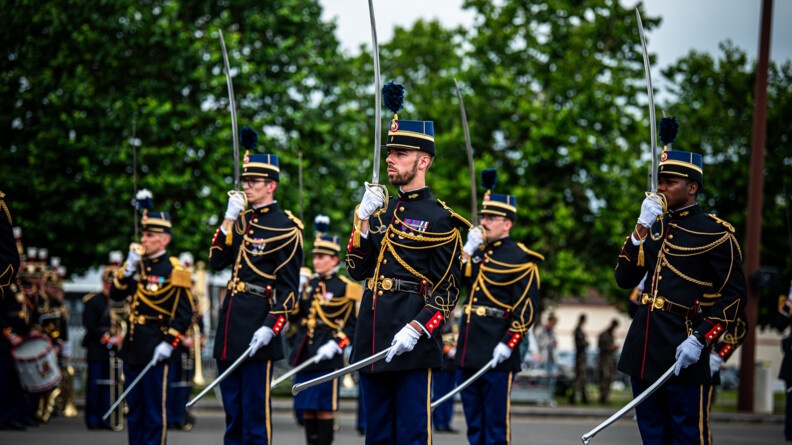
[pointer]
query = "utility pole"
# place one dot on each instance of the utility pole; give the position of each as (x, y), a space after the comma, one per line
(753, 240)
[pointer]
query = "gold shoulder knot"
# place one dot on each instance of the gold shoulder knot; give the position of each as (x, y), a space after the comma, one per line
(354, 290)
(459, 218)
(728, 226)
(530, 252)
(294, 219)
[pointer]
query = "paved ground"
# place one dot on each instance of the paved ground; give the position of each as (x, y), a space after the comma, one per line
(530, 425)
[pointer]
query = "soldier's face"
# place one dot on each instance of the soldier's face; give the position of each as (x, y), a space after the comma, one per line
(324, 264)
(154, 242)
(402, 166)
(679, 192)
(496, 226)
(259, 191)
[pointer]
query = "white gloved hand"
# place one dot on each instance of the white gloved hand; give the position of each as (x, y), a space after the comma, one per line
(328, 350)
(475, 238)
(650, 210)
(715, 363)
(261, 338)
(161, 352)
(687, 353)
(236, 204)
(500, 353)
(132, 260)
(369, 204)
(304, 278)
(403, 341)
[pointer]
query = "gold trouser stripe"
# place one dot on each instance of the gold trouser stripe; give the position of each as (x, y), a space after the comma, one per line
(267, 403)
(508, 408)
(164, 405)
(429, 405)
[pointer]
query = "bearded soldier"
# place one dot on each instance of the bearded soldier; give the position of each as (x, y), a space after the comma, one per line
(264, 245)
(503, 278)
(160, 314)
(408, 249)
(694, 293)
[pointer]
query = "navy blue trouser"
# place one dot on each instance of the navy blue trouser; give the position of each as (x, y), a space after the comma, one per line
(487, 406)
(397, 407)
(674, 414)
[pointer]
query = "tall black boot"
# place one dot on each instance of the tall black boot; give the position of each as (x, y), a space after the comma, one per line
(312, 431)
(326, 431)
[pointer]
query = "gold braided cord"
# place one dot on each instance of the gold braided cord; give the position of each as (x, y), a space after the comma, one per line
(523, 327)
(168, 292)
(482, 282)
(4, 207)
(687, 278)
(295, 239)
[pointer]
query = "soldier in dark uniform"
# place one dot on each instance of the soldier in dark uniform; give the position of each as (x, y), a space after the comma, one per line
(326, 316)
(264, 245)
(159, 316)
(16, 317)
(581, 362)
(410, 254)
(100, 341)
(783, 319)
(606, 362)
(9, 255)
(503, 279)
(693, 294)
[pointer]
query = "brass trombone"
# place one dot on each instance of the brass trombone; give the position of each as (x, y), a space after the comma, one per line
(198, 377)
(118, 327)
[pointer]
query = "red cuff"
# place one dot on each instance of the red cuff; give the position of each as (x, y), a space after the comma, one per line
(280, 320)
(434, 322)
(515, 339)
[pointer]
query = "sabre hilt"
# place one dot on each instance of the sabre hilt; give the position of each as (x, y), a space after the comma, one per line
(382, 192)
(238, 192)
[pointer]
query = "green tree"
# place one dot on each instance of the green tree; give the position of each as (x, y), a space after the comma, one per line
(77, 75)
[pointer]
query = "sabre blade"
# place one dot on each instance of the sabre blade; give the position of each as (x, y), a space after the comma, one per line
(232, 106)
(313, 360)
(378, 97)
(222, 376)
(464, 384)
(343, 371)
(473, 198)
(650, 92)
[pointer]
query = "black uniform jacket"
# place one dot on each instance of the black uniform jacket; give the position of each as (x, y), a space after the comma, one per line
(161, 306)
(16, 316)
(503, 294)
(411, 258)
(326, 311)
(782, 321)
(96, 321)
(696, 284)
(265, 250)
(9, 256)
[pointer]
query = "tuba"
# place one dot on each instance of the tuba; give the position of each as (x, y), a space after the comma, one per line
(118, 327)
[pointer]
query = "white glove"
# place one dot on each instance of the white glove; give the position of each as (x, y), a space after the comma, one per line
(715, 363)
(500, 353)
(687, 353)
(642, 284)
(475, 238)
(303, 281)
(132, 260)
(369, 204)
(261, 338)
(161, 352)
(650, 210)
(403, 341)
(236, 204)
(328, 350)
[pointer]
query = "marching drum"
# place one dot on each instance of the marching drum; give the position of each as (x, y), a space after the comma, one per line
(36, 364)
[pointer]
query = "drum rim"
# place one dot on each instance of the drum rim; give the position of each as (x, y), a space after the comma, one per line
(27, 339)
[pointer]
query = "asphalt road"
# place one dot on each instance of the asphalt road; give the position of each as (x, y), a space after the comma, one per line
(525, 430)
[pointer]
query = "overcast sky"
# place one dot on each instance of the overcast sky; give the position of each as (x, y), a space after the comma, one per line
(686, 25)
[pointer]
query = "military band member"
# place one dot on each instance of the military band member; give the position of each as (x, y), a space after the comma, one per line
(53, 320)
(9, 256)
(264, 246)
(160, 313)
(99, 341)
(16, 317)
(326, 316)
(503, 279)
(410, 255)
(694, 293)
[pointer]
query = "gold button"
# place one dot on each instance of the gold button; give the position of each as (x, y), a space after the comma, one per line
(489, 253)
(475, 300)
(401, 209)
(392, 235)
(379, 292)
(382, 277)
(385, 261)
(255, 220)
(670, 236)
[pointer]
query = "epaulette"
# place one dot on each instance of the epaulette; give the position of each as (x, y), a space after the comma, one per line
(294, 219)
(530, 252)
(354, 290)
(88, 297)
(459, 218)
(180, 277)
(728, 226)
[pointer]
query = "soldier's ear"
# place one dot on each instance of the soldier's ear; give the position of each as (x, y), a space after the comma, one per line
(693, 187)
